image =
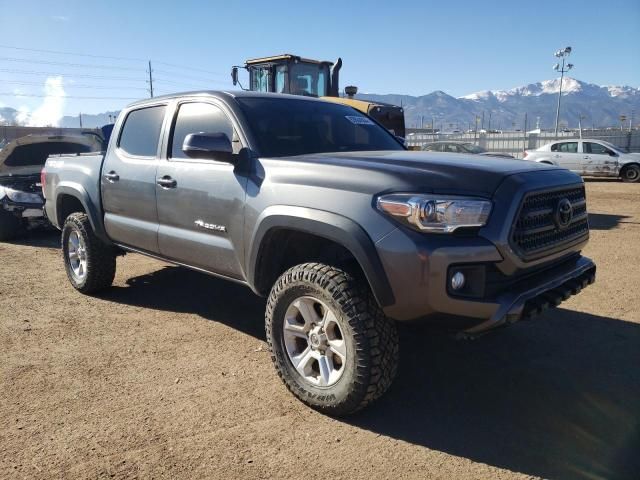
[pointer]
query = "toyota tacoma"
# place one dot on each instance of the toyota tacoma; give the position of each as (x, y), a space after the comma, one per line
(317, 207)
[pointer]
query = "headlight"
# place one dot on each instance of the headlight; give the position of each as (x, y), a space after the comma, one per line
(22, 197)
(435, 213)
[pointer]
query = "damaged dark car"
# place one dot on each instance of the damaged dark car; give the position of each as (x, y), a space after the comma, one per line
(21, 160)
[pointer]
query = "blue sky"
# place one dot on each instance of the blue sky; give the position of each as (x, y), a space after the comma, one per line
(411, 47)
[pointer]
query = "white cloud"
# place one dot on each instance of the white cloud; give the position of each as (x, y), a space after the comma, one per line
(50, 111)
(60, 18)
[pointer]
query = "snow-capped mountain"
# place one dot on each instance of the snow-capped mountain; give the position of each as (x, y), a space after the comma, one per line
(598, 105)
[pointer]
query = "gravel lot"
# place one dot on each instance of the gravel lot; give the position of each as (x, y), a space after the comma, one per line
(167, 375)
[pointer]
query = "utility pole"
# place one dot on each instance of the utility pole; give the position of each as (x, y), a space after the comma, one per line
(565, 52)
(489, 126)
(482, 124)
(633, 112)
(524, 142)
(80, 118)
(150, 81)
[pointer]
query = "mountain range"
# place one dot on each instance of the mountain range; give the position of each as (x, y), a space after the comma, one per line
(599, 106)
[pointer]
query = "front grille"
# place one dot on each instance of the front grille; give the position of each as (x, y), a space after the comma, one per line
(539, 228)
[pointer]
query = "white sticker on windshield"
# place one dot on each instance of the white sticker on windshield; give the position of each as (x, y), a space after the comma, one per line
(359, 120)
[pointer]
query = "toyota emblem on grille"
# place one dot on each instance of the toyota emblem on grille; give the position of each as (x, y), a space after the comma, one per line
(564, 213)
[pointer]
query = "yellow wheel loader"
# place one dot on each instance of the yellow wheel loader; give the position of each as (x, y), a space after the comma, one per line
(303, 76)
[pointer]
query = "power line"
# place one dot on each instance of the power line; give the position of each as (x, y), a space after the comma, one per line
(10, 94)
(74, 85)
(79, 75)
(66, 64)
(180, 82)
(58, 52)
(127, 59)
(189, 77)
(195, 69)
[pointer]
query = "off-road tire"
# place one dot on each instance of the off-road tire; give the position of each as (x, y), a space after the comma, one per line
(371, 337)
(10, 226)
(101, 258)
(631, 174)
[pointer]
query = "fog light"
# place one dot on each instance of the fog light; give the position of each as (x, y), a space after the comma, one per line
(457, 281)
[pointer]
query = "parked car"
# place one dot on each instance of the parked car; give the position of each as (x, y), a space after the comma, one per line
(461, 147)
(589, 157)
(21, 160)
(317, 207)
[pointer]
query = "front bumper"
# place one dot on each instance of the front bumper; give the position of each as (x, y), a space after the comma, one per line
(30, 213)
(418, 270)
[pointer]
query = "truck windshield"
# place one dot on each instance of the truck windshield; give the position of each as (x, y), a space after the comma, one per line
(308, 79)
(285, 127)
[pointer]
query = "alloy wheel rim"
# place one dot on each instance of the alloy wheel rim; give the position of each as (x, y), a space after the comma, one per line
(77, 253)
(314, 342)
(632, 174)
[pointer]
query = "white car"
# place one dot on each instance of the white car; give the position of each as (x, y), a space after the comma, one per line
(591, 158)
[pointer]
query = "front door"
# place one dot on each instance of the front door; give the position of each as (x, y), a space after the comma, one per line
(201, 202)
(128, 180)
(600, 161)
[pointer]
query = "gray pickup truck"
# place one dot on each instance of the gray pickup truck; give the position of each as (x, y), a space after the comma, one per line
(317, 207)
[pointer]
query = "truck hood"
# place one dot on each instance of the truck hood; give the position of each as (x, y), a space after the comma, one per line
(429, 171)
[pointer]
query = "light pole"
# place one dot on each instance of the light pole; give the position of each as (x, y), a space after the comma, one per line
(565, 52)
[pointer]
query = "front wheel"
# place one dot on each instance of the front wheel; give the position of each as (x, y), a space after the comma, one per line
(89, 262)
(329, 340)
(631, 174)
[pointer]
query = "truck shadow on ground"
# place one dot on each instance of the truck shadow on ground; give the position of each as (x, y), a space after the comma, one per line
(605, 221)
(602, 179)
(558, 397)
(176, 289)
(40, 237)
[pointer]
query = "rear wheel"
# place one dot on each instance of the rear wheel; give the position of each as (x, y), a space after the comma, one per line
(89, 262)
(10, 226)
(330, 342)
(631, 174)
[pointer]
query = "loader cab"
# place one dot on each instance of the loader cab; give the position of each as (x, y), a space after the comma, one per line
(292, 74)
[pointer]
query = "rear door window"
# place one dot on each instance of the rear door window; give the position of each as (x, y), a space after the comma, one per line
(141, 131)
(567, 147)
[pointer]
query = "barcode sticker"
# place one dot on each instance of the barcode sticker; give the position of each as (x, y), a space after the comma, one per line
(359, 120)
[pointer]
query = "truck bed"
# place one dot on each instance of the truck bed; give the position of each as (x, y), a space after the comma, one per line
(79, 170)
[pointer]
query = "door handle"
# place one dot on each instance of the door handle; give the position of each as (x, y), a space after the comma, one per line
(586, 157)
(167, 182)
(112, 176)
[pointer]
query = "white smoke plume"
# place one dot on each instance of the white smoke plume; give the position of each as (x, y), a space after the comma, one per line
(50, 111)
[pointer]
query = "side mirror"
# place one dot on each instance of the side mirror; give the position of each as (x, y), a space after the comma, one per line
(208, 146)
(612, 153)
(234, 75)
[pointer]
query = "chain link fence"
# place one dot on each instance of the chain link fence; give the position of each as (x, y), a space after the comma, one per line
(515, 143)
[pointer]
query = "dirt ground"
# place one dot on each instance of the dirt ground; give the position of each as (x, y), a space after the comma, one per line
(166, 375)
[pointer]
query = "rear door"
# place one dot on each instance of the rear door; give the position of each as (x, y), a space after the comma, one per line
(128, 180)
(201, 212)
(565, 155)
